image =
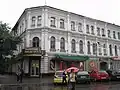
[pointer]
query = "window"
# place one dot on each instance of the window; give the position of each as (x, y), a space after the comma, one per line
(110, 50)
(92, 30)
(35, 42)
(20, 29)
(81, 46)
(33, 21)
(99, 48)
(72, 25)
(109, 34)
(62, 45)
(114, 35)
(118, 35)
(103, 32)
(116, 54)
(52, 21)
(79, 27)
(73, 48)
(98, 31)
(88, 47)
(52, 44)
(94, 49)
(87, 29)
(104, 49)
(62, 23)
(39, 19)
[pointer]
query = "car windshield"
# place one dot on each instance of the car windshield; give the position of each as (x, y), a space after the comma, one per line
(59, 73)
(102, 72)
(82, 72)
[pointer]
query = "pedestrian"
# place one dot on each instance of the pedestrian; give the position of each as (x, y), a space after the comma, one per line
(64, 77)
(72, 79)
(21, 75)
(18, 75)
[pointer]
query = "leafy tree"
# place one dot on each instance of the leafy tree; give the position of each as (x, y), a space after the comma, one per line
(8, 43)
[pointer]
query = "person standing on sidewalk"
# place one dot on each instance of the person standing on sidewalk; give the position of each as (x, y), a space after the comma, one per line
(72, 78)
(21, 75)
(18, 75)
(64, 77)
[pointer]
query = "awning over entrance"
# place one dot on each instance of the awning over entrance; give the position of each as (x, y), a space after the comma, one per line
(71, 57)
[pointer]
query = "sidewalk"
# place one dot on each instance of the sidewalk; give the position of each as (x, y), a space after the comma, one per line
(11, 80)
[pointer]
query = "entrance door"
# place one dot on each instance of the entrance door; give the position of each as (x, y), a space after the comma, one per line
(103, 66)
(35, 68)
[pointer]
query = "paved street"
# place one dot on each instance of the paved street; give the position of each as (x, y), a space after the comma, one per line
(8, 82)
(11, 79)
(92, 86)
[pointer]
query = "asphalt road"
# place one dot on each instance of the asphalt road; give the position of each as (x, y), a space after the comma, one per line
(91, 86)
(8, 82)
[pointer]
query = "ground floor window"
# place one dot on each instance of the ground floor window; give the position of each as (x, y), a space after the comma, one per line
(35, 67)
(61, 65)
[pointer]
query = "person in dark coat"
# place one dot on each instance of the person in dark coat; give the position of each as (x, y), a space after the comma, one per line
(64, 78)
(21, 75)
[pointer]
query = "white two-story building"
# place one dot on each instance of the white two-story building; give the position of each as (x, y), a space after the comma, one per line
(55, 39)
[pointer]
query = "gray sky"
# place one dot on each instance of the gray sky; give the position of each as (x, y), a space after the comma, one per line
(105, 10)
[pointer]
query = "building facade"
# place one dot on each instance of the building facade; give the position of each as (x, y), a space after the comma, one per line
(55, 39)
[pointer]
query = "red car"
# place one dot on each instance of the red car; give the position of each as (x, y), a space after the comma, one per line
(99, 75)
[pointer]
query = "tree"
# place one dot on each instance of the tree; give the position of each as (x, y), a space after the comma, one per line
(8, 43)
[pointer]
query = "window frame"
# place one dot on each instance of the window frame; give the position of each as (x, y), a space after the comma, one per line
(62, 23)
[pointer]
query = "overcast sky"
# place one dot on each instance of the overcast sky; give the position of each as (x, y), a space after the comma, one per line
(105, 10)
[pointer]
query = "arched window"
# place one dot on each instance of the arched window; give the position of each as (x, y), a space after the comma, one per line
(52, 43)
(110, 49)
(94, 49)
(73, 48)
(88, 47)
(35, 42)
(116, 54)
(104, 49)
(81, 46)
(62, 44)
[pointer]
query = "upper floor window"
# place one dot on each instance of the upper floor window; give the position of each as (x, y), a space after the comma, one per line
(104, 49)
(62, 23)
(52, 22)
(103, 32)
(114, 35)
(81, 46)
(52, 43)
(88, 47)
(80, 27)
(98, 31)
(99, 48)
(73, 25)
(116, 54)
(20, 29)
(118, 35)
(39, 19)
(87, 29)
(35, 42)
(94, 49)
(109, 33)
(62, 45)
(92, 30)
(110, 50)
(33, 21)
(73, 44)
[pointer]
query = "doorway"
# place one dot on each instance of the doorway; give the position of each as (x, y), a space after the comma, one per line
(35, 68)
(103, 66)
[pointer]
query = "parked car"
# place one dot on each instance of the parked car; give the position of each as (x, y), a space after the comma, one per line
(99, 75)
(114, 74)
(82, 77)
(58, 77)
